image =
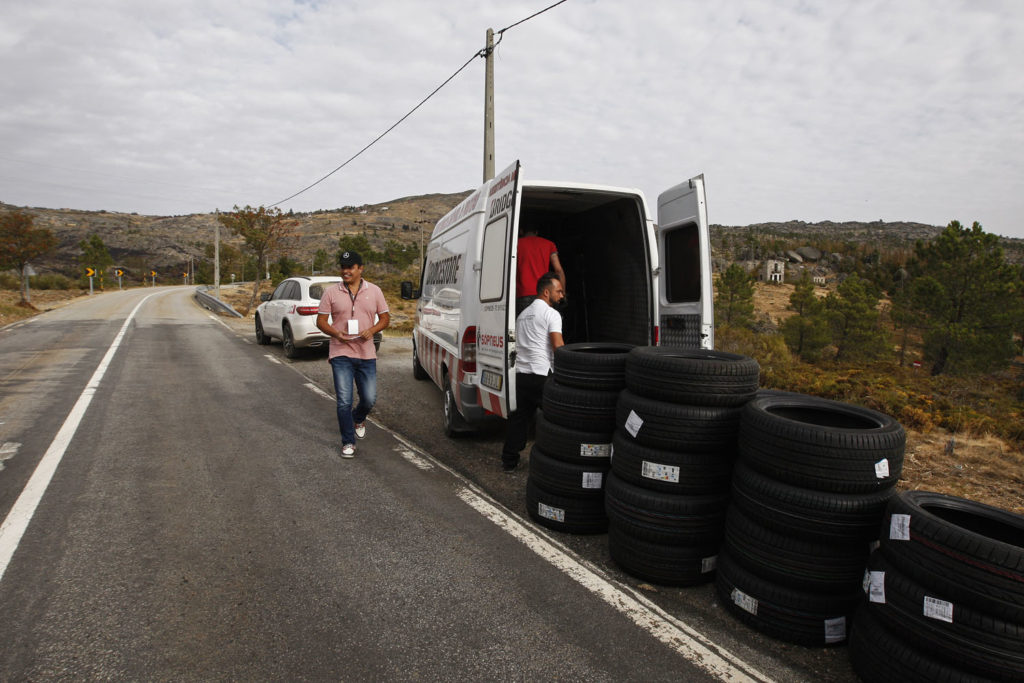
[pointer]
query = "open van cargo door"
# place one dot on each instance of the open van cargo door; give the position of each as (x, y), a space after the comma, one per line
(686, 299)
(497, 325)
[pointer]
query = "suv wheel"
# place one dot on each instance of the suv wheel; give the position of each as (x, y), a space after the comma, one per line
(261, 337)
(288, 342)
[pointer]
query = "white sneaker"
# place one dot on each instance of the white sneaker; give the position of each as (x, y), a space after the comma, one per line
(348, 451)
(361, 431)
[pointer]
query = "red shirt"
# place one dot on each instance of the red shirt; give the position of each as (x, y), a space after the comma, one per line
(534, 260)
(340, 305)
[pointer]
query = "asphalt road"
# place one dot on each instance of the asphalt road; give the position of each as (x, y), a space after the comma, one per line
(174, 508)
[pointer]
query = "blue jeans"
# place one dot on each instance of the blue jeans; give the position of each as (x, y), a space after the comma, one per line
(364, 374)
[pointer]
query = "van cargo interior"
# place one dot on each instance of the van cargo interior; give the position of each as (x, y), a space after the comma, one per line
(602, 247)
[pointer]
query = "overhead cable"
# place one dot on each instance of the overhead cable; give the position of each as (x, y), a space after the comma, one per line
(480, 53)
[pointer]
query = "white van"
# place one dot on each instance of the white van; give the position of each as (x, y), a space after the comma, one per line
(628, 281)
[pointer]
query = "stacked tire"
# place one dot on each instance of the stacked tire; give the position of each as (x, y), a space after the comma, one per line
(809, 491)
(943, 594)
(673, 453)
(571, 456)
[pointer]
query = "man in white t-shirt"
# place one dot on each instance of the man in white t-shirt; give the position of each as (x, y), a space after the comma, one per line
(538, 334)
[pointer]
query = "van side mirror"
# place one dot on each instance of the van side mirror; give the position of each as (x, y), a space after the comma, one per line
(407, 292)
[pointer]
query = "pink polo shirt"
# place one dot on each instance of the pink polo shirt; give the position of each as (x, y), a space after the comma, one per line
(341, 306)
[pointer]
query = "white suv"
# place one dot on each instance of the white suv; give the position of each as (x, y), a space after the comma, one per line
(289, 314)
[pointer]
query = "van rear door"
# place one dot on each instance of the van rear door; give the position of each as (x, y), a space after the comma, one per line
(497, 325)
(686, 300)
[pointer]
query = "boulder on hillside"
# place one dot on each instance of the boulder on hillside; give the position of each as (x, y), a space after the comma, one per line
(809, 253)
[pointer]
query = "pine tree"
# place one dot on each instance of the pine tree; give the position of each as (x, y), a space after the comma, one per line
(854, 320)
(734, 303)
(806, 333)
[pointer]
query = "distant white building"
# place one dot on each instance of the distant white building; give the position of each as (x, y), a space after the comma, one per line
(774, 271)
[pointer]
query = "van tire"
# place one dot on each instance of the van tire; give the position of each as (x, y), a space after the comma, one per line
(693, 376)
(573, 445)
(967, 551)
(592, 365)
(454, 423)
(783, 612)
(568, 479)
(973, 640)
(670, 471)
(821, 444)
(805, 513)
(579, 515)
(667, 565)
(418, 372)
(583, 409)
(667, 518)
(673, 426)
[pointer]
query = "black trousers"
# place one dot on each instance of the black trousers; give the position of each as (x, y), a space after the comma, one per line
(529, 394)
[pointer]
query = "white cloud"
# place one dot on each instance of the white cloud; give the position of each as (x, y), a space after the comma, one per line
(846, 110)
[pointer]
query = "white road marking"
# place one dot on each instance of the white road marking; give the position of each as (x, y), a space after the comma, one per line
(416, 460)
(8, 450)
(271, 358)
(21, 512)
(318, 391)
(691, 644)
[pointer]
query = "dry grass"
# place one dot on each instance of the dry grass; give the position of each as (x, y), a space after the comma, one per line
(12, 310)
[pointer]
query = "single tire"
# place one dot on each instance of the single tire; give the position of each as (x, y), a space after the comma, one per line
(583, 409)
(418, 372)
(666, 518)
(693, 376)
(454, 423)
(805, 513)
(878, 654)
(677, 426)
(563, 513)
(288, 342)
(667, 565)
(821, 444)
(261, 336)
(573, 445)
(953, 632)
(592, 365)
(782, 612)
(567, 479)
(670, 471)
(788, 561)
(969, 552)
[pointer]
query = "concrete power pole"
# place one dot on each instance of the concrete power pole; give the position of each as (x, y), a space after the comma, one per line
(216, 256)
(489, 108)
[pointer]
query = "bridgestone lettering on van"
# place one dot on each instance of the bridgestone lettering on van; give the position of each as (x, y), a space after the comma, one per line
(444, 272)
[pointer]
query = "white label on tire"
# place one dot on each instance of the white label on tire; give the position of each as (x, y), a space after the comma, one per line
(899, 528)
(592, 480)
(744, 601)
(938, 609)
(708, 564)
(633, 423)
(549, 512)
(876, 587)
(882, 468)
(595, 450)
(653, 470)
(835, 630)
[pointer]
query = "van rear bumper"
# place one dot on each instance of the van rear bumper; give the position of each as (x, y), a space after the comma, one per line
(469, 404)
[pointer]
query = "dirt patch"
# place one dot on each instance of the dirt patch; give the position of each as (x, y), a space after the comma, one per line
(12, 309)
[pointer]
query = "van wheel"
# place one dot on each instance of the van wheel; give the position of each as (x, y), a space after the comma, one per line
(454, 424)
(417, 370)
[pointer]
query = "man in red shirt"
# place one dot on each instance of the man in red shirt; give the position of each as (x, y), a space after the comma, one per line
(346, 315)
(536, 256)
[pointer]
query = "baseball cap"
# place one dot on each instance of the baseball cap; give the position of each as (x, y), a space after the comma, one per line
(350, 258)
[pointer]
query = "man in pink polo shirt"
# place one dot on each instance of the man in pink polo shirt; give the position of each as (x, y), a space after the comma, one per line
(346, 315)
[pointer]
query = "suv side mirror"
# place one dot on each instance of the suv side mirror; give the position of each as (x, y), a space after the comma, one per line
(265, 296)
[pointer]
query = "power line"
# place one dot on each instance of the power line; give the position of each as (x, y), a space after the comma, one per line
(479, 53)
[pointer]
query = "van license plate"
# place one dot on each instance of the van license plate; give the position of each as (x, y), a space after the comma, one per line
(491, 379)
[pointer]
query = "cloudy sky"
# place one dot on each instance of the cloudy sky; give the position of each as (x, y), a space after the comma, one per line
(793, 109)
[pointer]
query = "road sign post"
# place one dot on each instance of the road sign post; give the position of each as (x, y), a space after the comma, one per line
(89, 273)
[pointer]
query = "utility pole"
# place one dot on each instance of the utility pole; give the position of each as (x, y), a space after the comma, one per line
(216, 256)
(489, 108)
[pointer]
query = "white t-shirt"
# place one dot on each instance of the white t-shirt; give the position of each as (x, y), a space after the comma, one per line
(534, 355)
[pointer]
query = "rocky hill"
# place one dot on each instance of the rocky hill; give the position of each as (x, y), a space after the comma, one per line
(166, 243)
